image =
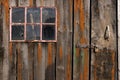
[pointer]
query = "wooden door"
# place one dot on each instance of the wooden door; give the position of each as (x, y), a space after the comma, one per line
(95, 40)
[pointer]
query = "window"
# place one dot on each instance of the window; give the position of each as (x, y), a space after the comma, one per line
(33, 24)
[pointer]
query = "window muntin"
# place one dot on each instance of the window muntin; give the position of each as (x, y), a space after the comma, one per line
(33, 24)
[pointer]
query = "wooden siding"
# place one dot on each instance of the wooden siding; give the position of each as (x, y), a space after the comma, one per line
(86, 47)
(81, 37)
(103, 36)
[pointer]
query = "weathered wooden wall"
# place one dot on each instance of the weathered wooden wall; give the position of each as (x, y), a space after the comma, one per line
(81, 27)
(37, 61)
(81, 38)
(103, 36)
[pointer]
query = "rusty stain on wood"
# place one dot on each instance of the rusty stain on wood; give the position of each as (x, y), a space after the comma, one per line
(30, 2)
(19, 65)
(5, 3)
(113, 65)
(10, 51)
(86, 62)
(39, 53)
(60, 53)
(50, 54)
(68, 75)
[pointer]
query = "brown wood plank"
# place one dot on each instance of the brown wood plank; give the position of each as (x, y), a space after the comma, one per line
(81, 37)
(64, 43)
(12, 53)
(50, 51)
(1, 40)
(104, 36)
(118, 8)
(5, 5)
(31, 60)
(19, 62)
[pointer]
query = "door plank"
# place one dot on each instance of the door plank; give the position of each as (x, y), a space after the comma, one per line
(104, 36)
(118, 7)
(81, 37)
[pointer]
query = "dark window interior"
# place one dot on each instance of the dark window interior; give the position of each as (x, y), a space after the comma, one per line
(48, 32)
(17, 32)
(48, 15)
(18, 15)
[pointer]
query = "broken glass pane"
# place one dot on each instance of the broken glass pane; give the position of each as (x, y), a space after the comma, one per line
(17, 32)
(48, 15)
(18, 15)
(33, 32)
(33, 15)
(48, 32)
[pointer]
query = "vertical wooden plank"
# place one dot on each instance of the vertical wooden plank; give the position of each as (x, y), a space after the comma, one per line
(50, 51)
(19, 62)
(1, 40)
(118, 16)
(64, 44)
(81, 37)
(60, 56)
(12, 53)
(5, 39)
(103, 35)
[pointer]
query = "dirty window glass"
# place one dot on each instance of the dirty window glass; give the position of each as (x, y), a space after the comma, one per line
(48, 15)
(35, 24)
(18, 32)
(33, 15)
(48, 32)
(18, 15)
(33, 32)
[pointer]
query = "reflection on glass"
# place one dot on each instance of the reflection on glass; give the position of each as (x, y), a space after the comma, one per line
(33, 32)
(18, 15)
(33, 15)
(17, 32)
(48, 15)
(48, 32)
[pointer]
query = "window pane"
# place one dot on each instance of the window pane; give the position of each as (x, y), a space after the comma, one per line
(48, 15)
(17, 32)
(33, 15)
(18, 15)
(33, 32)
(48, 32)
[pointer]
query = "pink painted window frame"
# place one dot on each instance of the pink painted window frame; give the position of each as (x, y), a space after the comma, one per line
(40, 23)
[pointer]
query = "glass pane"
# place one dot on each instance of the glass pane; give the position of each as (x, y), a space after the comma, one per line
(33, 32)
(18, 15)
(48, 32)
(17, 32)
(33, 15)
(48, 15)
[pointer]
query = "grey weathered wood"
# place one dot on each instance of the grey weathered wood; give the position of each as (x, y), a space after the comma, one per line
(118, 7)
(1, 38)
(5, 40)
(64, 45)
(103, 15)
(12, 53)
(81, 37)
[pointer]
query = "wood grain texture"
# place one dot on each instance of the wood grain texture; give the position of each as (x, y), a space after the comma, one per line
(118, 7)
(81, 37)
(1, 40)
(5, 39)
(64, 43)
(103, 60)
